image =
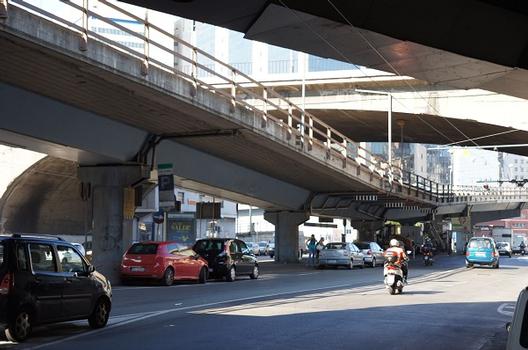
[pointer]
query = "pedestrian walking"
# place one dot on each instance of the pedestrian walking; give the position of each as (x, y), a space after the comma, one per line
(311, 244)
(319, 247)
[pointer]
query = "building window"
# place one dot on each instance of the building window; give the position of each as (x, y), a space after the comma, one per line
(181, 197)
(516, 169)
(515, 161)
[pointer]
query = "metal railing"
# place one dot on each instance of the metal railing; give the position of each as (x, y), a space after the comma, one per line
(199, 67)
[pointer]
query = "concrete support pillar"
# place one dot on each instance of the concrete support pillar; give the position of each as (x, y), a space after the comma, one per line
(367, 229)
(111, 232)
(286, 234)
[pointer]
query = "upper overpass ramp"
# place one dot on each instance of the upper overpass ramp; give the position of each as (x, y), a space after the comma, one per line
(86, 98)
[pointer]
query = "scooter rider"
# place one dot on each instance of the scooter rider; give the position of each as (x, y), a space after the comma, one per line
(401, 255)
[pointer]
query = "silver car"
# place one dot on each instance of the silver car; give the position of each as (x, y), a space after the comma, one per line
(373, 253)
(340, 254)
(253, 247)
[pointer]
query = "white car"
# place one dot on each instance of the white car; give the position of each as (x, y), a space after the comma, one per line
(341, 254)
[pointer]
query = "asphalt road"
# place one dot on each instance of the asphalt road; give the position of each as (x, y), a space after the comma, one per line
(298, 307)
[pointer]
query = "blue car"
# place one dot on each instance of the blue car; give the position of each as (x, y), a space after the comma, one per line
(482, 251)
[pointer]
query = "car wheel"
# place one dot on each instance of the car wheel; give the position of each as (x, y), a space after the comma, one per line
(468, 265)
(202, 278)
(19, 327)
(373, 262)
(168, 277)
(100, 314)
(255, 274)
(231, 274)
(351, 264)
(496, 265)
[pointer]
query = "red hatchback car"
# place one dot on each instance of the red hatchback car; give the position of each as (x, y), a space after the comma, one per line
(163, 261)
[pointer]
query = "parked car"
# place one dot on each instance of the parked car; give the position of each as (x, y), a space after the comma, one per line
(227, 258)
(504, 248)
(253, 247)
(372, 252)
(46, 280)
(164, 262)
(271, 250)
(482, 251)
(341, 254)
(263, 246)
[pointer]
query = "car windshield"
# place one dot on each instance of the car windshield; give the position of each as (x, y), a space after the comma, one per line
(143, 248)
(262, 244)
(208, 246)
(479, 243)
(335, 246)
(363, 245)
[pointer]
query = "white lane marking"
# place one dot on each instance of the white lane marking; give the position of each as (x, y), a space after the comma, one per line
(186, 308)
(506, 309)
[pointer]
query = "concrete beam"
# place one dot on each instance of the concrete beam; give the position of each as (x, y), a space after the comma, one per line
(77, 131)
(484, 216)
(235, 182)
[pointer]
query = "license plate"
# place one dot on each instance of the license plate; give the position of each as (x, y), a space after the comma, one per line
(390, 279)
(137, 269)
(332, 261)
(481, 254)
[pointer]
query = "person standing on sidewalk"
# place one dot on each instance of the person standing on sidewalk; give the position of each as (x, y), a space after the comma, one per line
(311, 244)
(319, 247)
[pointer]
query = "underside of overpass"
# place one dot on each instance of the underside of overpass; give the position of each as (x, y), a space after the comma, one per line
(458, 43)
(45, 199)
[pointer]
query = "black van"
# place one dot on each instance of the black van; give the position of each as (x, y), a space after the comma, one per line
(45, 280)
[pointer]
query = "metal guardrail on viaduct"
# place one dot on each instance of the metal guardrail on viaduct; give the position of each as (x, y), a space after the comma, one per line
(303, 130)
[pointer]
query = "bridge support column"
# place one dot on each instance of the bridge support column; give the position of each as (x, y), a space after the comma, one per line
(286, 234)
(367, 229)
(111, 231)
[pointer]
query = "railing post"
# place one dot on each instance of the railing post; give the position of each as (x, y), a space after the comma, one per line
(83, 43)
(344, 152)
(233, 90)
(328, 142)
(290, 121)
(146, 47)
(3, 8)
(310, 133)
(264, 120)
(303, 122)
(194, 71)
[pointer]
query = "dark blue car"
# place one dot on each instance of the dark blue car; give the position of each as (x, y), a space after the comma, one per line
(482, 251)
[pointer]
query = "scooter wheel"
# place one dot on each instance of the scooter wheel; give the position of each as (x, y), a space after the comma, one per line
(392, 291)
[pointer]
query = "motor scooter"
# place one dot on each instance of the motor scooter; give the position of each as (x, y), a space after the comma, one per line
(428, 258)
(393, 275)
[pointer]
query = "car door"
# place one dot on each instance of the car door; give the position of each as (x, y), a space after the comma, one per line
(377, 252)
(79, 289)
(247, 261)
(356, 255)
(47, 282)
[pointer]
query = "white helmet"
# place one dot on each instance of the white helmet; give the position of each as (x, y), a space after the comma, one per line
(394, 243)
